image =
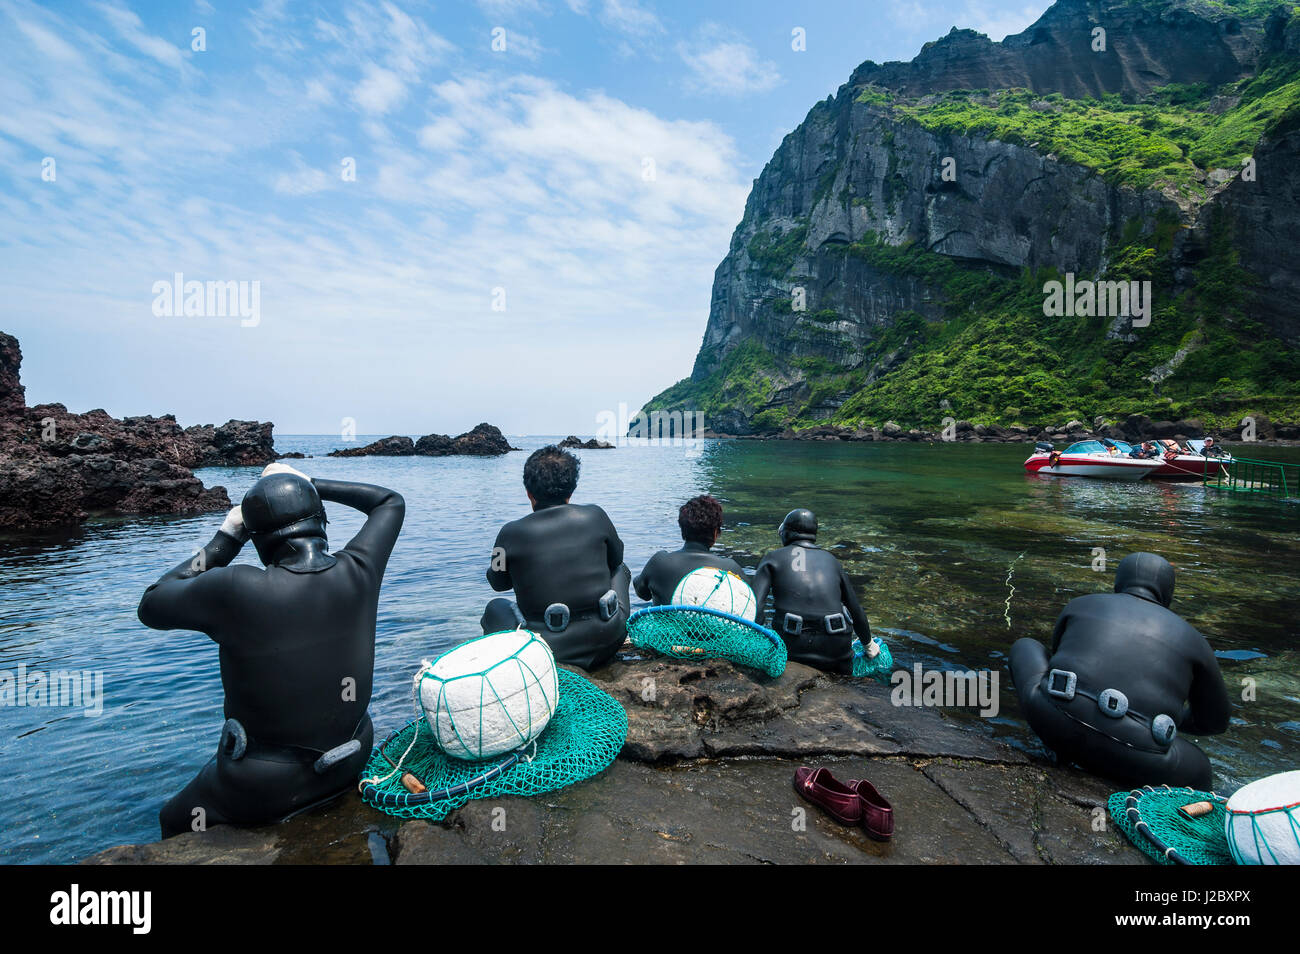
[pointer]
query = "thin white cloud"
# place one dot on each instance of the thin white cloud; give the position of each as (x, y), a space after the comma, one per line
(379, 90)
(505, 8)
(130, 28)
(998, 23)
(722, 63)
(601, 220)
(628, 16)
(302, 179)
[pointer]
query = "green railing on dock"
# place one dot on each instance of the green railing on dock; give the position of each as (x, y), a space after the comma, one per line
(1245, 475)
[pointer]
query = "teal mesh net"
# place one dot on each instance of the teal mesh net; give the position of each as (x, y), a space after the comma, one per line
(694, 632)
(1150, 818)
(583, 737)
(878, 667)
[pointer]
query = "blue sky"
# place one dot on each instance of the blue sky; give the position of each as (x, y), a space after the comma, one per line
(513, 177)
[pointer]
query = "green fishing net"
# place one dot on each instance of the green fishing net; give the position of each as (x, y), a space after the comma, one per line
(694, 632)
(879, 668)
(583, 737)
(1151, 819)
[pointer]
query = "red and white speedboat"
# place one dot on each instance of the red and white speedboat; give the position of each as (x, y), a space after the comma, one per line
(1088, 459)
(1180, 466)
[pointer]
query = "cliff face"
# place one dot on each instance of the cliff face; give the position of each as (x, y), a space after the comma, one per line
(930, 195)
(1148, 44)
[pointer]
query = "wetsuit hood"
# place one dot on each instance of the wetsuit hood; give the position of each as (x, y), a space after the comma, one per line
(284, 516)
(1146, 575)
(798, 524)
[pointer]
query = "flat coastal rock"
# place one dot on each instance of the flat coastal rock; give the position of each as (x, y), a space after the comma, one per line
(706, 777)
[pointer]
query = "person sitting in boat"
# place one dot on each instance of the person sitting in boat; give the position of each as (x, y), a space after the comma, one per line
(565, 563)
(1211, 449)
(297, 647)
(700, 520)
(1125, 676)
(815, 608)
(1141, 451)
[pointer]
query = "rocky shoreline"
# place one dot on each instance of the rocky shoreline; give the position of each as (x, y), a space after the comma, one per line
(1136, 427)
(58, 468)
(593, 444)
(484, 440)
(705, 777)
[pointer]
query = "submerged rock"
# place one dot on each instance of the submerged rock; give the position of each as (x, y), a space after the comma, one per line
(706, 777)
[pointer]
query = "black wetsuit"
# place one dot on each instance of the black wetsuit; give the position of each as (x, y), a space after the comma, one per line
(1130, 641)
(809, 582)
(665, 570)
(562, 553)
(297, 659)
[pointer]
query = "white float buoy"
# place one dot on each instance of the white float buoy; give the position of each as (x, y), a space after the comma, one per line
(716, 589)
(1263, 824)
(490, 695)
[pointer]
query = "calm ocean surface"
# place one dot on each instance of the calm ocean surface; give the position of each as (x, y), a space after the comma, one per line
(955, 550)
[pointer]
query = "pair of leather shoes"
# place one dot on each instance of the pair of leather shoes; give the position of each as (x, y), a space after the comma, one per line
(855, 803)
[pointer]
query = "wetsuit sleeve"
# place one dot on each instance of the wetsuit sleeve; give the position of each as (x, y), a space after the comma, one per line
(861, 628)
(762, 586)
(642, 583)
(1207, 707)
(500, 580)
(195, 592)
(1059, 629)
(384, 509)
(613, 545)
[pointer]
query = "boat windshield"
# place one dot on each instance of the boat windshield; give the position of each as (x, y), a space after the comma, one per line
(1086, 447)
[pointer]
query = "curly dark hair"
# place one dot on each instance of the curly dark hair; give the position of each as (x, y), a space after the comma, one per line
(551, 474)
(700, 519)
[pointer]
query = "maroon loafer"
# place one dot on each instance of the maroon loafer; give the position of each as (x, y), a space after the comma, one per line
(825, 791)
(876, 813)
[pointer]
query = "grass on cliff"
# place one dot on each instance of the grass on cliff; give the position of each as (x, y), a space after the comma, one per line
(1172, 136)
(996, 359)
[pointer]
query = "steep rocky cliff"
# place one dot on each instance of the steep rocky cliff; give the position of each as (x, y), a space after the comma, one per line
(893, 253)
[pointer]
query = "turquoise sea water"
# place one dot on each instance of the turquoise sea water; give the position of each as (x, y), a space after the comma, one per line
(955, 550)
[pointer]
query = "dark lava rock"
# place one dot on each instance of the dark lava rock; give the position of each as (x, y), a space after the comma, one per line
(395, 446)
(434, 445)
(233, 444)
(58, 468)
(485, 440)
(12, 393)
(592, 444)
(706, 777)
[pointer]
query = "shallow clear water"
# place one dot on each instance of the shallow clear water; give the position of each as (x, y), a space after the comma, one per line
(930, 534)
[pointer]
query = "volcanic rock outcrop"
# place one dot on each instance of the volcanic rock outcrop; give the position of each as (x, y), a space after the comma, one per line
(58, 468)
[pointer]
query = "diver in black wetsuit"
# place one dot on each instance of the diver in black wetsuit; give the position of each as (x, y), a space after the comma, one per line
(700, 519)
(815, 608)
(1124, 674)
(297, 647)
(565, 564)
